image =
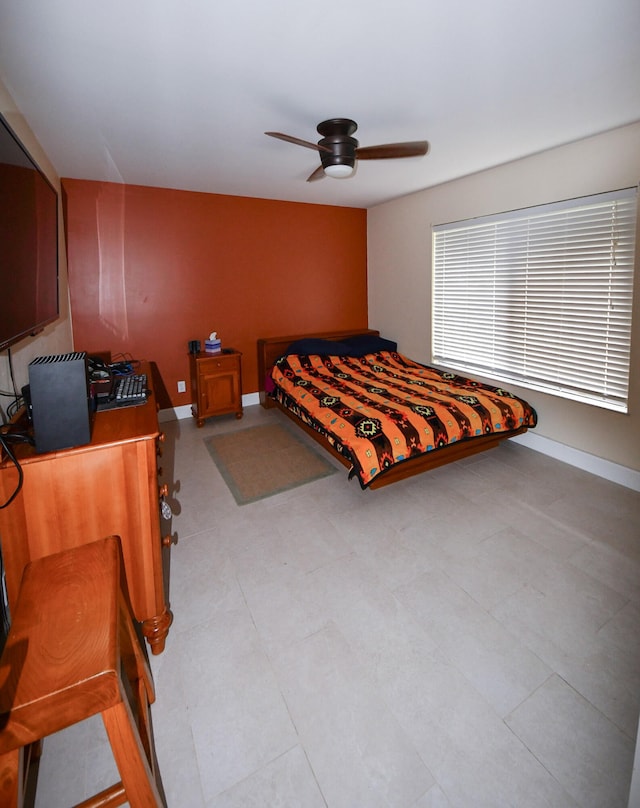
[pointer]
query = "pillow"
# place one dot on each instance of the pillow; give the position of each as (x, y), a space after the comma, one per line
(362, 344)
(319, 347)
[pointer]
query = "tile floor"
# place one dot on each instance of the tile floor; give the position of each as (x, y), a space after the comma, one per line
(467, 638)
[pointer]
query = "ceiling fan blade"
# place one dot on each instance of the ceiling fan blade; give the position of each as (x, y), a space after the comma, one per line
(298, 142)
(318, 174)
(414, 148)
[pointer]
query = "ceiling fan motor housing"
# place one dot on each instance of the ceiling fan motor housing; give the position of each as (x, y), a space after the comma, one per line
(343, 151)
(337, 137)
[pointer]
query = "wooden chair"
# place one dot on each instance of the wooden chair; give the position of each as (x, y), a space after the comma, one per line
(73, 652)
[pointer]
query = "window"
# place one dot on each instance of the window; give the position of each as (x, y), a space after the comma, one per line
(541, 296)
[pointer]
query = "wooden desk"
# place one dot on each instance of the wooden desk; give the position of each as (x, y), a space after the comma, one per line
(74, 496)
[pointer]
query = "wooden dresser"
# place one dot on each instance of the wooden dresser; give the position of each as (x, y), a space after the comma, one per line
(74, 496)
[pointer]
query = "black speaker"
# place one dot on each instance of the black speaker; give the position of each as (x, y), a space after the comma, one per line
(61, 405)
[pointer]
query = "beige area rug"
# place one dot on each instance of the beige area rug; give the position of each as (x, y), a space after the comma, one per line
(261, 461)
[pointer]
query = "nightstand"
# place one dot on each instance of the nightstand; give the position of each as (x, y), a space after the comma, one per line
(216, 384)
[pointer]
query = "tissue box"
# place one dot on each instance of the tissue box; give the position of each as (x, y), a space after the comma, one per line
(212, 346)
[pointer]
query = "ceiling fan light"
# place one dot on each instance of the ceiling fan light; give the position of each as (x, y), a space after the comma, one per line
(339, 171)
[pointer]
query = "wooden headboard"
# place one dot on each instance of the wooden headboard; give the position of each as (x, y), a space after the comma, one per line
(270, 348)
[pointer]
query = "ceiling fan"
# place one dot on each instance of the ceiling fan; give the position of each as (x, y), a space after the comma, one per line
(339, 150)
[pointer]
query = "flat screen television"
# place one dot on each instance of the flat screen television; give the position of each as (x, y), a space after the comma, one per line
(28, 243)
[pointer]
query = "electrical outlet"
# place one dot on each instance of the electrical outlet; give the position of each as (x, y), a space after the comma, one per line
(182, 387)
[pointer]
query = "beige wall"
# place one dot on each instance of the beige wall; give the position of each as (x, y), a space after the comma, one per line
(399, 265)
(57, 337)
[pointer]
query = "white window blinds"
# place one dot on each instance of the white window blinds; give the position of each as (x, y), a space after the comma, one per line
(540, 296)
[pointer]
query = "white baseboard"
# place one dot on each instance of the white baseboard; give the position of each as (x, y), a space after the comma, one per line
(179, 413)
(174, 413)
(614, 472)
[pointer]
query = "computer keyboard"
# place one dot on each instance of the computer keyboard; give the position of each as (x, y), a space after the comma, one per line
(127, 392)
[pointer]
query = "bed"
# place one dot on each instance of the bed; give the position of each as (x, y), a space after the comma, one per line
(384, 416)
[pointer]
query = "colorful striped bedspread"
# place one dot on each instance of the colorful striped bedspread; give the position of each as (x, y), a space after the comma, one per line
(383, 408)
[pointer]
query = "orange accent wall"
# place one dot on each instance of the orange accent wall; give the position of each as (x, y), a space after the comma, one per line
(151, 269)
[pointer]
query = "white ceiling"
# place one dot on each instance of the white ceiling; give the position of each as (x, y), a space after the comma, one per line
(178, 93)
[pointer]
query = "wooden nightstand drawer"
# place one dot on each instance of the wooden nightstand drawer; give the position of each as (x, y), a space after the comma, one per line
(211, 364)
